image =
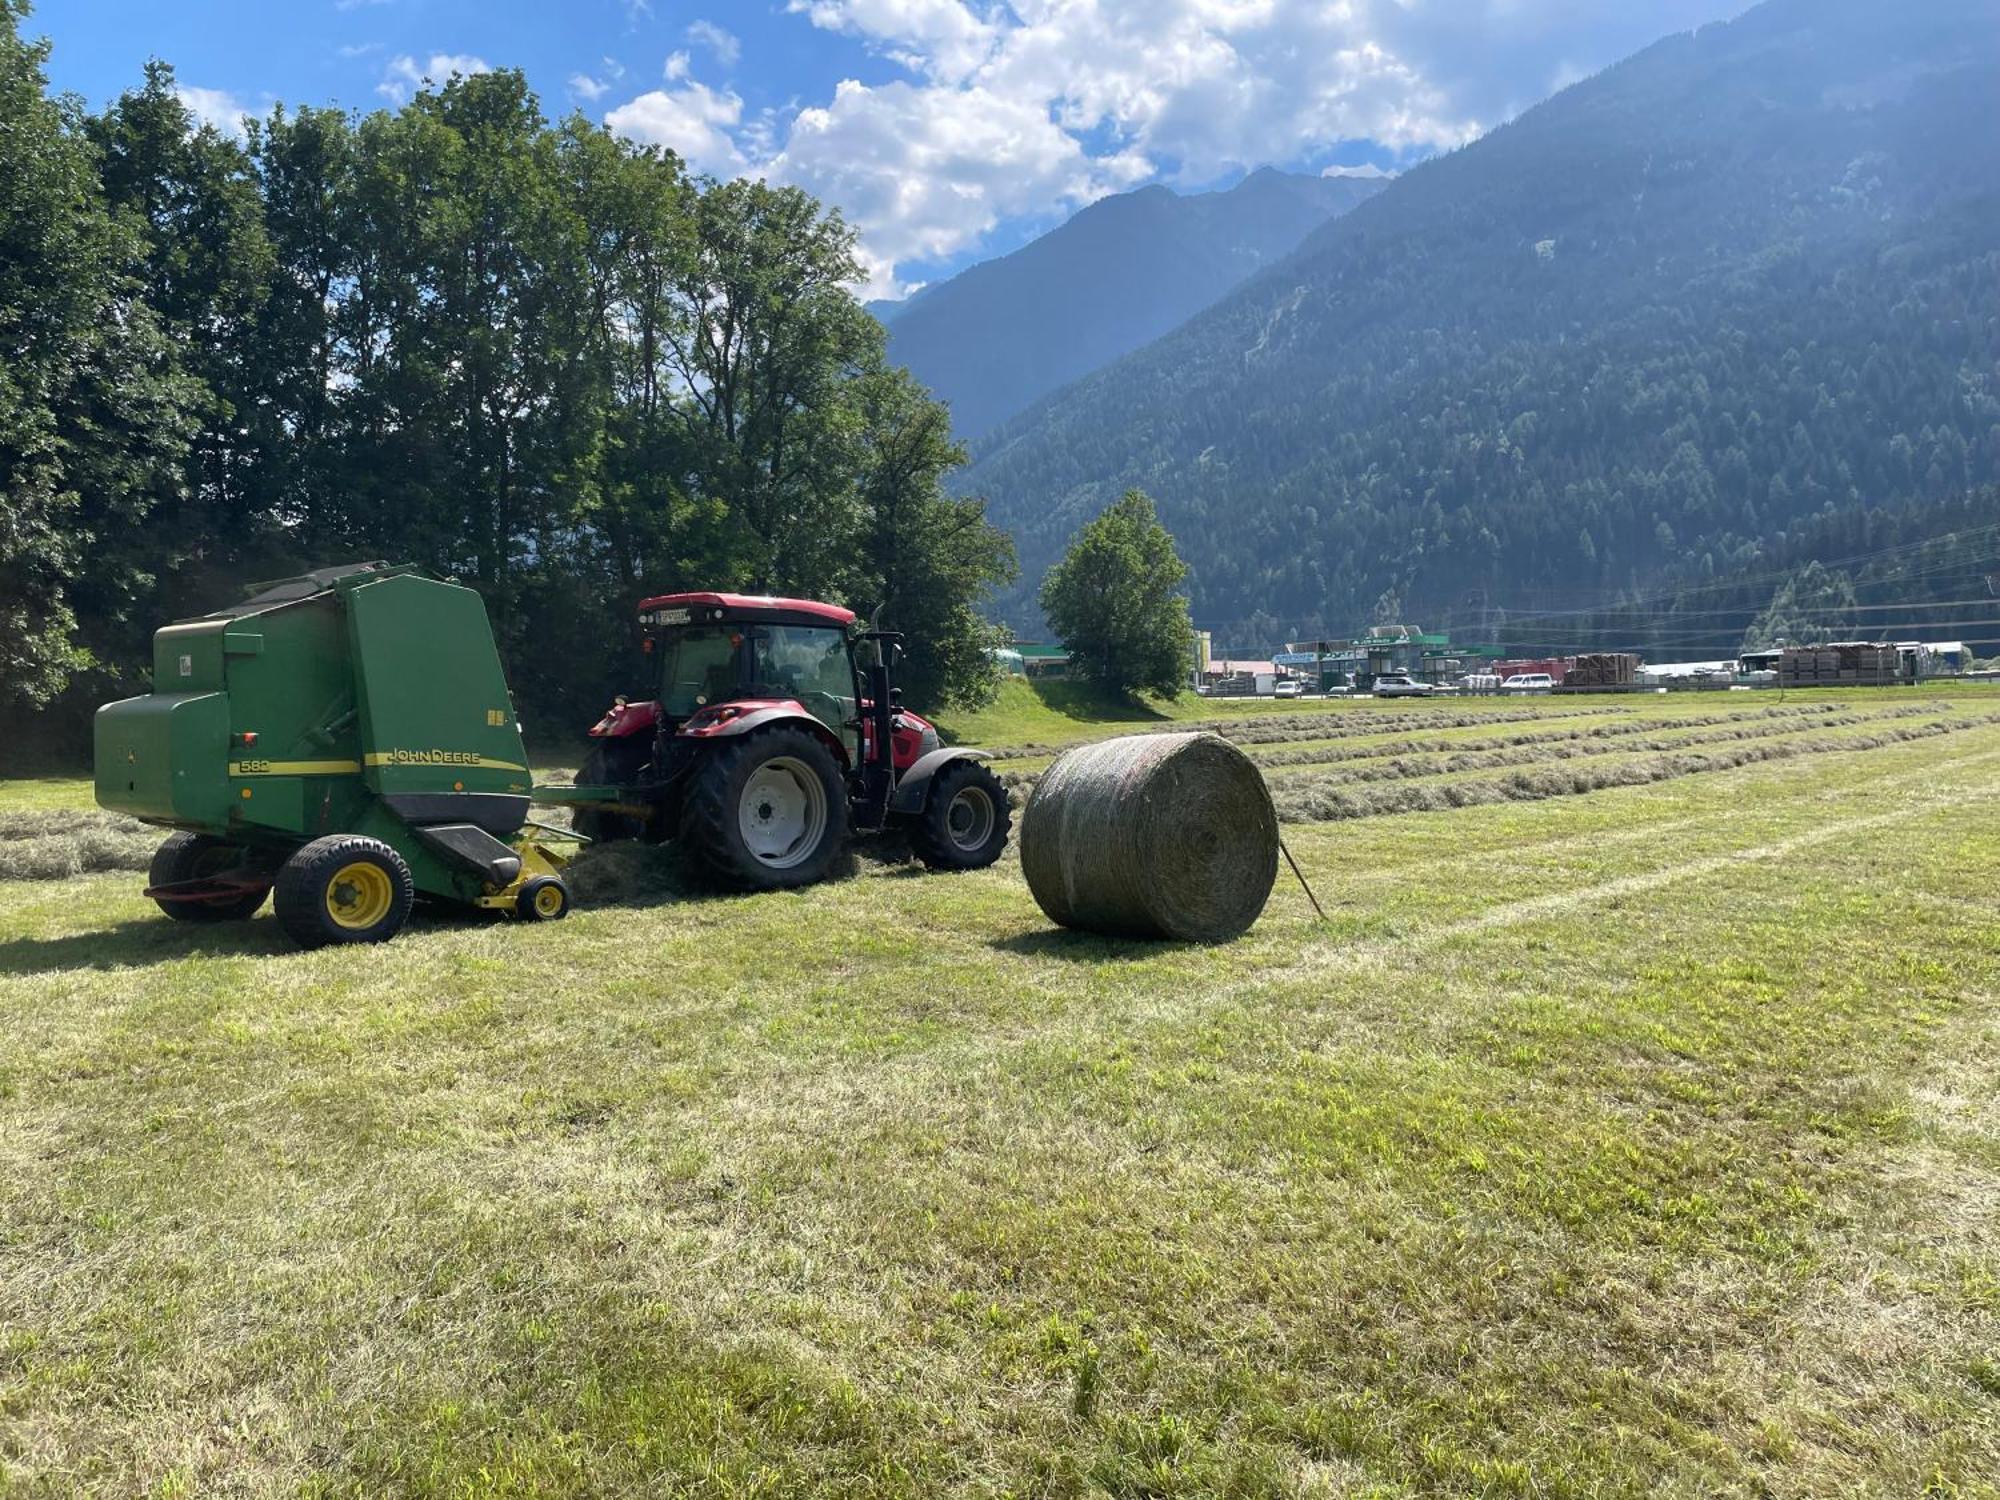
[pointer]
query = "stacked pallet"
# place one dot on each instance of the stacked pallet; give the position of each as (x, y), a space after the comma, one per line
(1602, 671)
(1842, 664)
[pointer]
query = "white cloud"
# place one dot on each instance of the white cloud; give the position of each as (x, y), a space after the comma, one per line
(926, 172)
(695, 122)
(1031, 107)
(724, 45)
(1367, 170)
(358, 49)
(217, 107)
(405, 75)
(589, 88)
(942, 38)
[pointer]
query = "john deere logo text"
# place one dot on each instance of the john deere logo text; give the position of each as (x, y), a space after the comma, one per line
(428, 758)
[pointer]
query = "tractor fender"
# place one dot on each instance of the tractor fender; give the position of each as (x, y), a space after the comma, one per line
(623, 719)
(915, 783)
(721, 723)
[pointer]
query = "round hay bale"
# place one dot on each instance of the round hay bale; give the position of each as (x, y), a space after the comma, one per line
(1152, 835)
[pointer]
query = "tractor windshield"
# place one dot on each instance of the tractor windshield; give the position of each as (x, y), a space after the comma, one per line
(699, 668)
(807, 663)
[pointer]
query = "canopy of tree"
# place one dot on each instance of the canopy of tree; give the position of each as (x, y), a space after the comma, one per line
(1123, 271)
(1114, 603)
(536, 357)
(1747, 276)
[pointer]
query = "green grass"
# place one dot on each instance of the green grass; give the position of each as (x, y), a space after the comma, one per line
(1632, 1143)
(1061, 713)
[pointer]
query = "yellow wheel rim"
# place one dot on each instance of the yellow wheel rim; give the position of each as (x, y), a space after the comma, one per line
(548, 901)
(360, 895)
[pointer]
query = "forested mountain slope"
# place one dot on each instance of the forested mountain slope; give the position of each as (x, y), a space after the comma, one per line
(1121, 272)
(1745, 275)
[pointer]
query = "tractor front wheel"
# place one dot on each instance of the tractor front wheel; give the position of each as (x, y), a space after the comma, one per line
(965, 819)
(768, 811)
(188, 857)
(344, 889)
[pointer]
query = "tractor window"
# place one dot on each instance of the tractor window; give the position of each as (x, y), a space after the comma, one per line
(700, 668)
(806, 663)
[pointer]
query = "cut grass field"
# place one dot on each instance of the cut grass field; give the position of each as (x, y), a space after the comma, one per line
(1629, 1142)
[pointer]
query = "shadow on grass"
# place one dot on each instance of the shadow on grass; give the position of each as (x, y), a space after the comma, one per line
(142, 941)
(1086, 947)
(1081, 701)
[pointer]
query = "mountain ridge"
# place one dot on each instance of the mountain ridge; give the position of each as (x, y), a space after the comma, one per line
(1118, 273)
(1553, 334)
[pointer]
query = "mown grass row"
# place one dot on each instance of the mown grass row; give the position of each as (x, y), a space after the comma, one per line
(62, 843)
(1412, 759)
(1330, 753)
(1398, 765)
(1324, 724)
(1320, 799)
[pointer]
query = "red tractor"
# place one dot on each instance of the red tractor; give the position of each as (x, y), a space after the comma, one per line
(770, 740)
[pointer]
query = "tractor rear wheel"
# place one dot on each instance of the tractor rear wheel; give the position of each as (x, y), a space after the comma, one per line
(200, 856)
(965, 819)
(344, 889)
(768, 811)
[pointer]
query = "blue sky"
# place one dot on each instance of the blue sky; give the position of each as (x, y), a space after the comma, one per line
(947, 130)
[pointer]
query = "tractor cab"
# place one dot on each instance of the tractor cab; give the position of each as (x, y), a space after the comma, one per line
(772, 731)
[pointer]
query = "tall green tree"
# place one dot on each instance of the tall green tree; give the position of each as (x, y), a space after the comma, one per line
(927, 560)
(189, 193)
(533, 356)
(94, 413)
(1113, 601)
(768, 340)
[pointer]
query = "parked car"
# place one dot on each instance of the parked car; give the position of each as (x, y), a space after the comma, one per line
(1401, 685)
(1289, 688)
(1529, 682)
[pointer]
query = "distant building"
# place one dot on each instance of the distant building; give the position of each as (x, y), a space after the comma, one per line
(1428, 657)
(1040, 659)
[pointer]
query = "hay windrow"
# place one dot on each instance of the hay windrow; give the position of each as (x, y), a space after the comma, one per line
(1407, 767)
(1317, 800)
(1319, 753)
(61, 844)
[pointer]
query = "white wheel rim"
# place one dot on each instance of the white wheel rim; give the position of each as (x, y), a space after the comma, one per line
(783, 812)
(969, 819)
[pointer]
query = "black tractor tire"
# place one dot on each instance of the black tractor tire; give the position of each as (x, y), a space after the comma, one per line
(344, 889)
(543, 899)
(612, 763)
(966, 818)
(201, 856)
(740, 841)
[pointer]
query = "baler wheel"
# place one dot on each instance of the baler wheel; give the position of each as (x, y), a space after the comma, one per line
(768, 811)
(188, 857)
(344, 889)
(965, 819)
(543, 899)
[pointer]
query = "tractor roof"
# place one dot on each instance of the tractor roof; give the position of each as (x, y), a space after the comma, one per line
(751, 604)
